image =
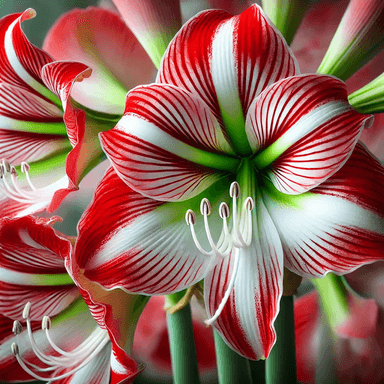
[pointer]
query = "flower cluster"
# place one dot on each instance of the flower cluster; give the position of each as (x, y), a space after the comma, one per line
(231, 165)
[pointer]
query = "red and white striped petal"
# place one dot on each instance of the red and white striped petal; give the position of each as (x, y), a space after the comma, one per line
(338, 225)
(59, 77)
(46, 300)
(82, 130)
(246, 322)
(20, 104)
(168, 145)
(302, 130)
(153, 22)
(138, 244)
(96, 36)
(20, 61)
(32, 268)
(17, 146)
(214, 56)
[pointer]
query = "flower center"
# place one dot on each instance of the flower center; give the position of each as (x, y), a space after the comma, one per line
(229, 241)
(28, 194)
(70, 362)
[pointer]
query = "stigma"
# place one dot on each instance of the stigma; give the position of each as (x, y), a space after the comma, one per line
(58, 363)
(230, 241)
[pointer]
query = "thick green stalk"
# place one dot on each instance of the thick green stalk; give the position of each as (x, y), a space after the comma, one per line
(232, 367)
(333, 296)
(281, 363)
(182, 343)
(257, 371)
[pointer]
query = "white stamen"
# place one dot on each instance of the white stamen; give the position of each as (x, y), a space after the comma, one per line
(228, 290)
(70, 362)
(239, 237)
(25, 169)
(10, 187)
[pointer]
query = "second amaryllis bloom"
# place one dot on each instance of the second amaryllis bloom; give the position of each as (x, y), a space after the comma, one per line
(233, 131)
(55, 336)
(49, 124)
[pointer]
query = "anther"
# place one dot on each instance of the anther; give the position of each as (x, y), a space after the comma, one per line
(15, 349)
(224, 211)
(190, 217)
(6, 165)
(25, 167)
(46, 323)
(249, 204)
(234, 190)
(26, 310)
(13, 171)
(17, 327)
(205, 207)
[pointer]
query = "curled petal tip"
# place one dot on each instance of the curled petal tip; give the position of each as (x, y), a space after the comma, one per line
(28, 14)
(84, 75)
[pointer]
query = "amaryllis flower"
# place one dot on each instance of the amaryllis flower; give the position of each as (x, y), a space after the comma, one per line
(235, 132)
(42, 130)
(355, 347)
(55, 336)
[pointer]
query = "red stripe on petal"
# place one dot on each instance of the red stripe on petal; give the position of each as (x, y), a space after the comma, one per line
(246, 321)
(18, 146)
(360, 181)
(154, 171)
(317, 129)
(125, 206)
(20, 104)
(46, 301)
(187, 61)
(261, 67)
(178, 113)
(31, 58)
(59, 77)
(124, 241)
(336, 227)
(31, 245)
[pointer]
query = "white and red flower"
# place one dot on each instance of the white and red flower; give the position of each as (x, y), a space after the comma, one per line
(227, 116)
(37, 292)
(40, 122)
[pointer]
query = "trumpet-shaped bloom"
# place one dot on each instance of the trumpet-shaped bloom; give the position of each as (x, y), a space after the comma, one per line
(40, 123)
(55, 335)
(228, 119)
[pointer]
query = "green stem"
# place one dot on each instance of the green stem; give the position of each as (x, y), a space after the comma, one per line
(257, 371)
(333, 296)
(281, 363)
(182, 343)
(232, 367)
